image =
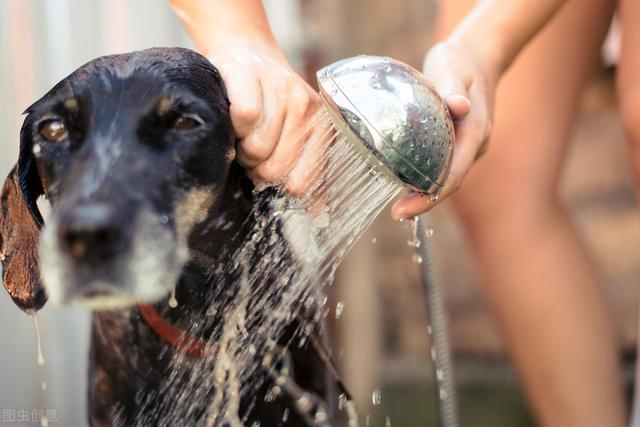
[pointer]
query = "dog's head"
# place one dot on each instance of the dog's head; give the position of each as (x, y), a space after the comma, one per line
(132, 151)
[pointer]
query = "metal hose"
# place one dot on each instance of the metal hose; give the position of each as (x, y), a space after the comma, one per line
(440, 348)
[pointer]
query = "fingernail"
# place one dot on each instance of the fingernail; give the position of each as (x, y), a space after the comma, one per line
(458, 97)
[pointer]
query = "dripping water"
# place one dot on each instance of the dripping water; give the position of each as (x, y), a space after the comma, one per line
(40, 356)
(173, 302)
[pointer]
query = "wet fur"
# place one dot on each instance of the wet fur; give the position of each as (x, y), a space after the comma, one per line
(174, 193)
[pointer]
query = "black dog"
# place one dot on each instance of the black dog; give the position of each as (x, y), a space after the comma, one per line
(135, 153)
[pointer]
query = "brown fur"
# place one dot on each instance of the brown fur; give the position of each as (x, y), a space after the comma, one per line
(19, 234)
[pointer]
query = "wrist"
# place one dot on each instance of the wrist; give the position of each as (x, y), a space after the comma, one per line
(495, 31)
(487, 59)
(487, 48)
(212, 25)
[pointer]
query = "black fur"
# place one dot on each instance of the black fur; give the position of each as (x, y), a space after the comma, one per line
(134, 99)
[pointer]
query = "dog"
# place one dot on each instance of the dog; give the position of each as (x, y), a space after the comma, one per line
(135, 152)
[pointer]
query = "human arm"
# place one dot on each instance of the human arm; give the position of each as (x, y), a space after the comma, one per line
(270, 103)
(465, 68)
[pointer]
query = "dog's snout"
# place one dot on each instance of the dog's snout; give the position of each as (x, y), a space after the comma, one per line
(91, 232)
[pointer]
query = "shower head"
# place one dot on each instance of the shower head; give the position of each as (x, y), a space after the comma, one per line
(394, 116)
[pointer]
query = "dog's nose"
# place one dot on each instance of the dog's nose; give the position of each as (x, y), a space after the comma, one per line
(91, 232)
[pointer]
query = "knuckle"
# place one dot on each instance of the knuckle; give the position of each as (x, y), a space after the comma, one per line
(296, 187)
(246, 113)
(255, 148)
(270, 170)
(302, 101)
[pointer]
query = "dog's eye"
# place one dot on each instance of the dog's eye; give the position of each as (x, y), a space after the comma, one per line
(53, 130)
(186, 122)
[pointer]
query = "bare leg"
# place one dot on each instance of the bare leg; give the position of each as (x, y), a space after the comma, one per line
(628, 86)
(538, 278)
(629, 82)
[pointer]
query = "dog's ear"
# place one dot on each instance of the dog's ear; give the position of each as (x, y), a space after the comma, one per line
(20, 224)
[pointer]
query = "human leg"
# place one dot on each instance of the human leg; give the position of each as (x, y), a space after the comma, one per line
(538, 278)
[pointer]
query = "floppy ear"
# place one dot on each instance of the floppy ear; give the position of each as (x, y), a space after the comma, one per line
(20, 224)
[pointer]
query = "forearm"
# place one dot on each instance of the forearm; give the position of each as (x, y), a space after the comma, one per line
(496, 30)
(211, 22)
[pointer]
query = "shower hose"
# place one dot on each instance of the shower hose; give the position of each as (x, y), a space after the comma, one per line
(440, 346)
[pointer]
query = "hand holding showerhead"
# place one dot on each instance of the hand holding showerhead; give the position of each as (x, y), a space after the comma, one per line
(467, 86)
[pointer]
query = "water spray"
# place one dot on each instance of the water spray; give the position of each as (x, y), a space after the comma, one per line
(395, 118)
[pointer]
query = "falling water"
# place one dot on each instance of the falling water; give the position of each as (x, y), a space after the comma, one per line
(289, 253)
(40, 358)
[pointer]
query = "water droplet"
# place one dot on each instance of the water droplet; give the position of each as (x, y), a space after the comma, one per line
(429, 232)
(304, 403)
(417, 258)
(44, 386)
(321, 416)
(443, 393)
(272, 394)
(37, 149)
(323, 300)
(376, 397)
(339, 309)
(285, 415)
(173, 302)
(429, 330)
(373, 241)
(413, 243)
(302, 342)
(164, 219)
(387, 421)
(273, 238)
(342, 399)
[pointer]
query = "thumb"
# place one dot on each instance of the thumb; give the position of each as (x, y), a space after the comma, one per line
(455, 95)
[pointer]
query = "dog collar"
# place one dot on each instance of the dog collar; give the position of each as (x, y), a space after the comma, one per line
(172, 335)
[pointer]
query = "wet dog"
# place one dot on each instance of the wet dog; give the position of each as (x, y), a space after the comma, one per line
(135, 154)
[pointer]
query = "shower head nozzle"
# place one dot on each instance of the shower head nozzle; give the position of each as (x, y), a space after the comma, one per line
(391, 113)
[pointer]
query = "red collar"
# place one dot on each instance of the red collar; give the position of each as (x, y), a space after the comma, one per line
(175, 337)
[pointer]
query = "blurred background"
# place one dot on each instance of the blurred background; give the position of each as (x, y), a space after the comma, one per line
(382, 339)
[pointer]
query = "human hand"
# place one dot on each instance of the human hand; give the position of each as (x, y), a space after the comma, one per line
(467, 85)
(271, 110)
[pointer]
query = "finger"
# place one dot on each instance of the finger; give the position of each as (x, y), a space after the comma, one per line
(412, 205)
(471, 137)
(455, 93)
(464, 155)
(259, 145)
(459, 105)
(298, 125)
(310, 167)
(245, 95)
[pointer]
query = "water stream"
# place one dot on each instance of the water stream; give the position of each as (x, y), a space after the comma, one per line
(279, 273)
(40, 357)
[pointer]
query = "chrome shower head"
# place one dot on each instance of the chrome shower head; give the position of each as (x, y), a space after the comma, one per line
(394, 116)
